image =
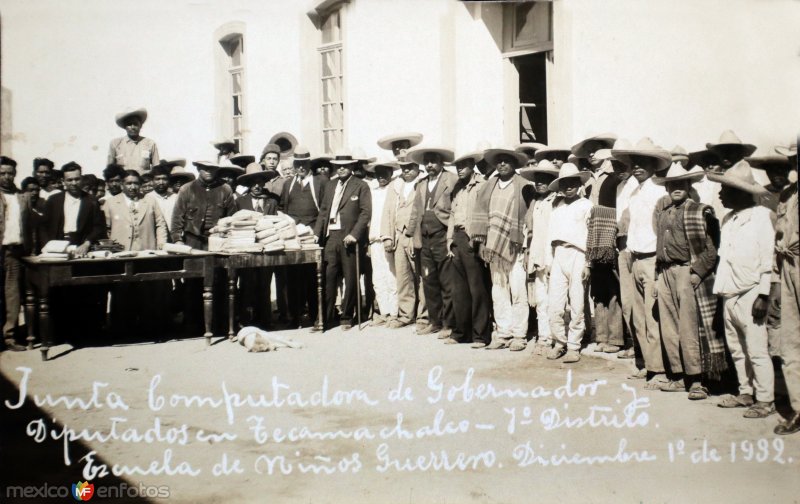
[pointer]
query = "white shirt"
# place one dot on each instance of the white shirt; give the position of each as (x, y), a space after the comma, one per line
(13, 233)
(708, 192)
(335, 222)
(72, 206)
(745, 250)
(378, 200)
(642, 228)
(129, 202)
(166, 204)
(624, 191)
(569, 223)
(44, 194)
(432, 182)
(407, 188)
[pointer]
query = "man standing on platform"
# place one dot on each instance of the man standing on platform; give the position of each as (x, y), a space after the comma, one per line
(133, 151)
(342, 228)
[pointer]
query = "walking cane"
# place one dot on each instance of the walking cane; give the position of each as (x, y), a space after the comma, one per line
(358, 285)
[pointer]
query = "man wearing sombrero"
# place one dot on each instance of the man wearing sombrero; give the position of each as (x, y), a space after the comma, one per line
(743, 281)
(686, 254)
(729, 149)
(787, 256)
(498, 228)
(226, 148)
(399, 143)
(470, 291)
(645, 159)
(200, 204)
(161, 193)
(539, 254)
(133, 151)
(431, 214)
(381, 253)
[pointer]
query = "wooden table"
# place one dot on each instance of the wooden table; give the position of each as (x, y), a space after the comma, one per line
(232, 262)
(42, 274)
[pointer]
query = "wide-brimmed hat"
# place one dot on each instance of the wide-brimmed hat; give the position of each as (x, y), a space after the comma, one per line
(677, 172)
(242, 160)
(764, 162)
(545, 168)
(606, 140)
(387, 141)
(343, 157)
(224, 142)
(360, 156)
(529, 148)
(787, 150)
(386, 166)
(703, 158)
(120, 118)
(319, 161)
(301, 154)
(166, 165)
(417, 154)
(729, 139)
(476, 156)
(679, 154)
(255, 173)
(179, 173)
(491, 156)
(552, 153)
(569, 170)
(619, 144)
(403, 161)
(226, 167)
(739, 176)
(645, 148)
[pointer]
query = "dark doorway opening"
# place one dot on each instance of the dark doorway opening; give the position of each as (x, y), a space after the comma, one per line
(532, 97)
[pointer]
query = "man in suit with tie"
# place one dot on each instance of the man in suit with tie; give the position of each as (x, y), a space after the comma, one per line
(431, 214)
(342, 227)
(301, 198)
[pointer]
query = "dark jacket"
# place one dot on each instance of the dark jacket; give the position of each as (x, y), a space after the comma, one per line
(439, 201)
(318, 185)
(246, 203)
(27, 223)
(91, 222)
(355, 209)
(194, 201)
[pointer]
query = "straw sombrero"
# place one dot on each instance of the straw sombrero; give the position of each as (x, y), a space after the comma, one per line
(729, 139)
(552, 153)
(476, 157)
(529, 149)
(255, 173)
(545, 167)
(242, 160)
(417, 154)
(387, 141)
(739, 176)
(569, 170)
(770, 160)
(179, 173)
(491, 156)
(644, 148)
(677, 172)
(141, 113)
(606, 140)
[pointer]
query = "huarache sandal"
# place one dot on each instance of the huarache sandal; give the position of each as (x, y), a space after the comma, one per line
(698, 392)
(478, 345)
(497, 345)
(740, 401)
(673, 386)
(556, 352)
(789, 426)
(517, 345)
(760, 410)
(655, 383)
(640, 374)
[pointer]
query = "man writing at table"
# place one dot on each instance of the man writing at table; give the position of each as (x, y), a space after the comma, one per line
(75, 216)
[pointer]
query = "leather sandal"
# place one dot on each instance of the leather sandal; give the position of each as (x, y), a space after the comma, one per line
(698, 392)
(789, 426)
(740, 401)
(760, 410)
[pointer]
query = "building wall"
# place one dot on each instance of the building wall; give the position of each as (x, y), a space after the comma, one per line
(678, 71)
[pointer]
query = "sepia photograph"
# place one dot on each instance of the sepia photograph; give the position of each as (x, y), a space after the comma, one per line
(399, 251)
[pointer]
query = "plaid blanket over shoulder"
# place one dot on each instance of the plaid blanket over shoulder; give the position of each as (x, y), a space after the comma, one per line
(712, 344)
(601, 241)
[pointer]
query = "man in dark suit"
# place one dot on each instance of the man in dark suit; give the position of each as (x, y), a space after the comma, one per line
(342, 227)
(300, 200)
(431, 214)
(75, 216)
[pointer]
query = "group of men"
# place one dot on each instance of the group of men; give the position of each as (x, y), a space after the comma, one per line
(683, 262)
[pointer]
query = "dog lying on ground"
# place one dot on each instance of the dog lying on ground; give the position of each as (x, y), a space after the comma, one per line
(258, 340)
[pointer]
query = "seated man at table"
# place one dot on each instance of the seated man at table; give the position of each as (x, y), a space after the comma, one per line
(14, 243)
(75, 216)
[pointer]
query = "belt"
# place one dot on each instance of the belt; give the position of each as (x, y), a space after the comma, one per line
(641, 255)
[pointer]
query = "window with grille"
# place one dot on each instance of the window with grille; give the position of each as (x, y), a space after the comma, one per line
(234, 48)
(331, 75)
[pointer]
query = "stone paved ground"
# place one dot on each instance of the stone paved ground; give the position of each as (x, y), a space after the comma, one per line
(496, 465)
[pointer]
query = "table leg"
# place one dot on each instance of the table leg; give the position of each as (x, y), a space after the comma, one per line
(231, 303)
(30, 315)
(319, 324)
(208, 311)
(44, 326)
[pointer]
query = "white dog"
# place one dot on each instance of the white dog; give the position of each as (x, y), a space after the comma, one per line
(258, 340)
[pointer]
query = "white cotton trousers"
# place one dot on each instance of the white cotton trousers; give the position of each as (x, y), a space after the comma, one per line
(537, 298)
(566, 289)
(510, 301)
(383, 279)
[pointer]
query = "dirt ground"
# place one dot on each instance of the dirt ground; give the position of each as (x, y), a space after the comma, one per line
(502, 435)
